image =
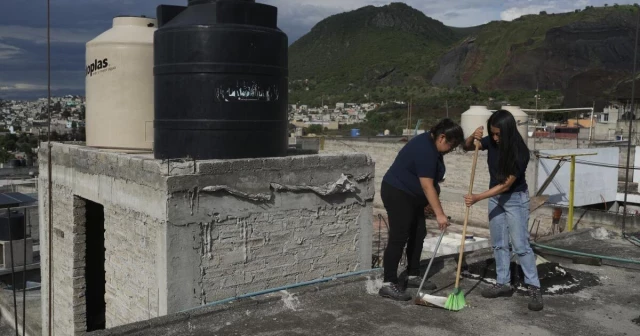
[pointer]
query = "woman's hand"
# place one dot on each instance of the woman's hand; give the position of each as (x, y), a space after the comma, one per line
(443, 222)
(470, 200)
(477, 134)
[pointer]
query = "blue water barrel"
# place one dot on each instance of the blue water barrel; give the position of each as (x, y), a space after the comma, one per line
(355, 132)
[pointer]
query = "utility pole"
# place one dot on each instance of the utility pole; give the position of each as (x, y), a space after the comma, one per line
(536, 117)
(591, 124)
(446, 103)
(408, 116)
(410, 113)
(633, 100)
(578, 135)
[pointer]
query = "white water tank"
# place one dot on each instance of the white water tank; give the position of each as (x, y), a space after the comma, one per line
(473, 118)
(522, 119)
(119, 86)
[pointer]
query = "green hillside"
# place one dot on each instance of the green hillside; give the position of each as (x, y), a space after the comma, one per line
(372, 47)
(396, 52)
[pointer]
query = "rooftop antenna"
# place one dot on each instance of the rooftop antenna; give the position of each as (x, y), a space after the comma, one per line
(633, 96)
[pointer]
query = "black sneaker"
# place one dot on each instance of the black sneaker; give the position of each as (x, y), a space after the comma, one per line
(496, 291)
(414, 282)
(393, 291)
(535, 293)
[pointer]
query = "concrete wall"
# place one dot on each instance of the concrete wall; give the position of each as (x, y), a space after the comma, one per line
(250, 225)
(547, 143)
(605, 131)
(382, 153)
(134, 203)
(181, 234)
(458, 175)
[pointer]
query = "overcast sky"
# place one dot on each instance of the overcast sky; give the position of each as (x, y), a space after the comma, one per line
(74, 22)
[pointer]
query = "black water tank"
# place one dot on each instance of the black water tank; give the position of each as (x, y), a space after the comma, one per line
(221, 81)
(11, 228)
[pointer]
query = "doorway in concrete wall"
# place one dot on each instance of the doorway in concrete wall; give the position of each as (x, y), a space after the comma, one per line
(94, 269)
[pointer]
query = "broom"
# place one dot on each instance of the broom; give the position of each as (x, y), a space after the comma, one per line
(456, 301)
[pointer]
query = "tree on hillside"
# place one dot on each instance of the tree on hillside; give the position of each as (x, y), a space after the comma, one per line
(313, 129)
(5, 156)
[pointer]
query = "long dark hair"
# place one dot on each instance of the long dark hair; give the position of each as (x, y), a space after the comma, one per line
(452, 132)
(512, 147)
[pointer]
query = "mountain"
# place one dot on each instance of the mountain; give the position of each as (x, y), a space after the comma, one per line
(585, 54)
(397, 50)
(393, 45)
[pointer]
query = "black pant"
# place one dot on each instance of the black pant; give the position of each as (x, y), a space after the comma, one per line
(406, 227)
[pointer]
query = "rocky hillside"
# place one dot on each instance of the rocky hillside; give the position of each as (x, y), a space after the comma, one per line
(585, 54)
(397, 50)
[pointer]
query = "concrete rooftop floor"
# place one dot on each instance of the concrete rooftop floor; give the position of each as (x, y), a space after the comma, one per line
(352, 307)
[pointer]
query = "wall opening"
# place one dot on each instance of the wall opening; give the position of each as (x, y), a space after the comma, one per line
(95, 268)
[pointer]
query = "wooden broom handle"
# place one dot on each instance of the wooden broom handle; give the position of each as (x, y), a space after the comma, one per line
(466, 214)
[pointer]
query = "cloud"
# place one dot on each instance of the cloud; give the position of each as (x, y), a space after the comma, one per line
(517, 8)
(9, 51)
(74, 22)
(22, 87)
(451, 15)
(39, 35)
(513, 13)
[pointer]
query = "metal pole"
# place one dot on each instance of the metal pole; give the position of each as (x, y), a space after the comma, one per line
(578, 136)
(571, 188)
(591, 125)
(446, 102)
(13, 272)
(49, 175)
(24, 274)
(535, 128)
(633, 92)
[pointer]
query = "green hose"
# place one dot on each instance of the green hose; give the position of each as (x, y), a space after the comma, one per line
(585, 254)
(634, 239)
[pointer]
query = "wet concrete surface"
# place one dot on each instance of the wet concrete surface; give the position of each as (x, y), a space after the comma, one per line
(554, 279)
(5, 328)
(352, 307)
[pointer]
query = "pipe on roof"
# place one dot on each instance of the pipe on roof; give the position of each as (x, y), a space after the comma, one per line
(277, 289)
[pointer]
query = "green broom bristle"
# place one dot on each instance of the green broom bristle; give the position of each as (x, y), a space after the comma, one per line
(455, 301)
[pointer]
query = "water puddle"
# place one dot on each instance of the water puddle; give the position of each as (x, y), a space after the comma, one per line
(554, 279)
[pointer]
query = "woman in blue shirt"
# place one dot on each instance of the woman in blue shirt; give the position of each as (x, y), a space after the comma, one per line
(410, 184)
(508, 194)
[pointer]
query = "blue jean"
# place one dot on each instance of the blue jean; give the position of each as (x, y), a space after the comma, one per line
(509, 218)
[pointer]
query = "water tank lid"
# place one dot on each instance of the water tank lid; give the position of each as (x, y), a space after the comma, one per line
(515, 111)
(477, 110)
(132, 16)
(198, 2)
(130, 20)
